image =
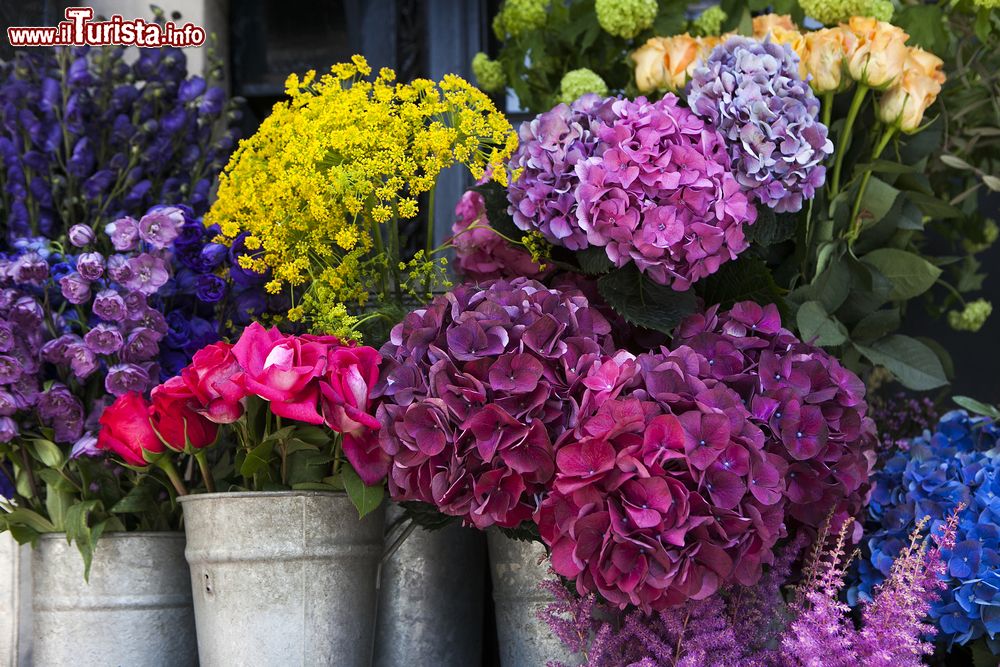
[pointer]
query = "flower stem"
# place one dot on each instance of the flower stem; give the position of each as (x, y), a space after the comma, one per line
(845, 136)
(855, 228)
(383, 278)
(827, 108)
(206, 471)
(167, 466)
(429, 244)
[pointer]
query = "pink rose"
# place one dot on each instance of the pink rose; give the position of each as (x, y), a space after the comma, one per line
(283, 370)
(126, 431)
(174, 417)
(346, 388)
(212, 378)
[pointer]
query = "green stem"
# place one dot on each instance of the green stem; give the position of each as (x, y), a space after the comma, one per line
(380, 252)
(167, 466)
(206, 471)
(827, 108)
(845, 137)
(394, 258)
(429, 244)
(855, 229)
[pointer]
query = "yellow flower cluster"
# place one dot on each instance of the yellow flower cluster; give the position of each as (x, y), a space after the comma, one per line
(344, 154)
(863, 50)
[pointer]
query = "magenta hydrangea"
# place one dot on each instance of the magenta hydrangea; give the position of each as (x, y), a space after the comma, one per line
(811, 409)
(542, 190)
(659, 192)
(475, 389)
(664, 492)
(752, 92)
(482, 254)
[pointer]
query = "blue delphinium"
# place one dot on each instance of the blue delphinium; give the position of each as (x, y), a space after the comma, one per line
(751, 92)
(959, 463)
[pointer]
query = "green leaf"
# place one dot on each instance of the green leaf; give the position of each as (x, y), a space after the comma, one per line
(982, 655)
(818, 327)
(771, 228)
(933, 206)
(747, 278)
(78, 530)
(313, 486)
(992, 182)
(955, 162)
(33, 520)
(925, 25)
(829, 288)
(495, 199)
(47, 452)
(307, 465)
(257, 459)
(913, 363)
(594, 260)
(642, 302)
(911, 275)
(57, 502)
(314, 435)
(140, 499)
(365, 498)
(978, 407)
(877, 324)
(877, 201)
(426, 516)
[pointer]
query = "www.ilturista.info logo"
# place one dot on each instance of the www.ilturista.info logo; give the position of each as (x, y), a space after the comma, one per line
(79, 30)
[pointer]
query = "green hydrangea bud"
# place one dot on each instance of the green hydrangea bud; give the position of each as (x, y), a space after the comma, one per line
(709, 22)
(580, 82)
(990, 234)
(489, 73)
(625, 18)
(520, 16)
(987, 4)
(972, 317)
(831, 12)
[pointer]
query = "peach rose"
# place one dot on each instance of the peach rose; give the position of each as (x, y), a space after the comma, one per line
(877, 56)
(904, 104)
(665, 62)
(795, 40)
(766, 23)
(650, 65)
(825, 51)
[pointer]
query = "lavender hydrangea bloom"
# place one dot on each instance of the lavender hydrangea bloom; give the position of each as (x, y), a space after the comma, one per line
(751, 91)
(660, 193)
(541, 193)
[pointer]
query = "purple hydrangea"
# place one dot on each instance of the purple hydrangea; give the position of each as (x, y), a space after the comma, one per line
(752, 92)
(659, 193)
(476, 387)
(543, 182)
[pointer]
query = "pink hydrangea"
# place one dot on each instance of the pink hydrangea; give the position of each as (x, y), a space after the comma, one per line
(664, 491)
(480, 253)
(658, 191)
(474, 390)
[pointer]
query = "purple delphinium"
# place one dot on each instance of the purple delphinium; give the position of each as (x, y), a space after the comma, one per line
(544, 179)
(659, 193)
(752, 93)
(476, 387)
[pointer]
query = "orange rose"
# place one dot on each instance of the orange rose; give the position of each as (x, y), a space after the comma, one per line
(665, 62)
(904, 104)
(650, 65)
(766, 23)
(825, 51)
(877, 56)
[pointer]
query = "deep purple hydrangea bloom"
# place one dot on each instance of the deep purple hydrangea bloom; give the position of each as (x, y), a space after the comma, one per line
(752, 92)
(474, 390)
(811, 409)
(542, 196)
(664, 492)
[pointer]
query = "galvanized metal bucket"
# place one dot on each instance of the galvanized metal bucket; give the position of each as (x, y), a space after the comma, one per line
(517, 569)
(431, 598)
(135, 610)
(282, 578)
(15, 603)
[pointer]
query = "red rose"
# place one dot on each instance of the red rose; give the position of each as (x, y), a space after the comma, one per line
(283, 370)
(126, 430)
(174, 417)
(211, 376)
(345, 390)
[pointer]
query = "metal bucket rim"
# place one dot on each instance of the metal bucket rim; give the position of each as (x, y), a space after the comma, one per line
(261, 494)
(122, 534)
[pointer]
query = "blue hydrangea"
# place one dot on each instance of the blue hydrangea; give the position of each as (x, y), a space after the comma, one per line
(752, 92)
(958, 463)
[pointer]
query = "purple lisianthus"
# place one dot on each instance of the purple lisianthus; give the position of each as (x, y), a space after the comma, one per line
(160, 226)
(56, 350)
(123, 378)
(60, 409)
(213, 254)
(81, 236)
(542, 195)
(124, 233)
(104, 339)
(752, 92)
(75, 288)
(109, 306)
(149, 273)
(660, 193)
(90, 265)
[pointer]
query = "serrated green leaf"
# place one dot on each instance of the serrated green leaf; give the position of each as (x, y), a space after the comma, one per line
(365, 498)
(642, 302)
(746, 279)
(817, 327)
(925, 25)
(913, 363)
(876, 325)
(910, 274)
(978, 407)
(771, 228)
(257, 459)
(594, 261)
